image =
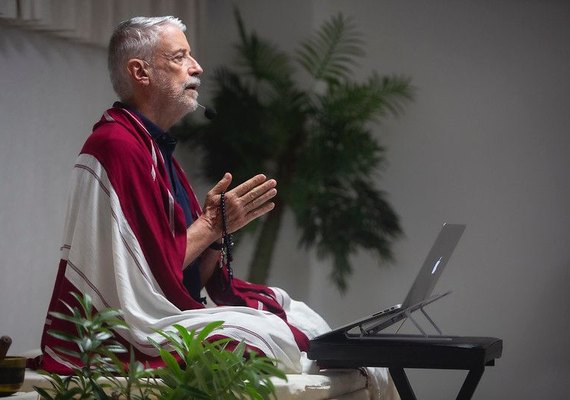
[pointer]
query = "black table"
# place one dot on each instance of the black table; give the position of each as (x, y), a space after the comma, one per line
(397, 352)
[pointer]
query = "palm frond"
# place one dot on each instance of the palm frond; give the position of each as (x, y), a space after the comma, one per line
(390, 93)
(342, 216)
(341, 153)
(341, 270)
(332, 51)
(361, 103)
(262, 60)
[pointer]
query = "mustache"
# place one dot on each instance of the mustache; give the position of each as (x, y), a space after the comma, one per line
(192, 82)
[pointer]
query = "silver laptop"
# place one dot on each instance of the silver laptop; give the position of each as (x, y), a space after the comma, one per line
(420, 294)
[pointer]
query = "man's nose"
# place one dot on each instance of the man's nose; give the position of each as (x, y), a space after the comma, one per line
(194, 69)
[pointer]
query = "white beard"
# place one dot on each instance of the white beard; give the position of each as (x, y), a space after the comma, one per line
(176, 100)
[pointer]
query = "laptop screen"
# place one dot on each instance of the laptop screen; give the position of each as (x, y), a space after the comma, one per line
(434, 264)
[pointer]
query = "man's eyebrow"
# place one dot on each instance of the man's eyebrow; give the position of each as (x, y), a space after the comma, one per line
(175, 52)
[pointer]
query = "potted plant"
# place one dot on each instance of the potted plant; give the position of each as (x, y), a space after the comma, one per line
(202, 370)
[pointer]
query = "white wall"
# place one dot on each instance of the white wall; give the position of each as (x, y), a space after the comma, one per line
(486, 142)
(51, 93)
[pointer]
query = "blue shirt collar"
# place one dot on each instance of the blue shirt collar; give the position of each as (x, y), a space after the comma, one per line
(165, 141)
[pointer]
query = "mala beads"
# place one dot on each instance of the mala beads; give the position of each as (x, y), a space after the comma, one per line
(227, 242)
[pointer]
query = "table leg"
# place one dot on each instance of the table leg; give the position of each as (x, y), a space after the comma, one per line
(470, 383)
(402, 384)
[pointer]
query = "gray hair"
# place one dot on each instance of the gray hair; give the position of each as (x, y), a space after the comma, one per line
(134, 38)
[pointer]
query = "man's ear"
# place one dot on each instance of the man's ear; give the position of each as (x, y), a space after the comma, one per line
(138, 70)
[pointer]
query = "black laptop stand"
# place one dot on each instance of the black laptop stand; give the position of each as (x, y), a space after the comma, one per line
(370, 348)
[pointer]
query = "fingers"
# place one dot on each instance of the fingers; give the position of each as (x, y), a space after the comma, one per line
(239, 217)
(249, 200)
(250, 184)
(260, 211)
(255, 189)
(256, 200)
(222, 184)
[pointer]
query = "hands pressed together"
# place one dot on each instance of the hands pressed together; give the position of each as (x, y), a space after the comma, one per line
(243, 204)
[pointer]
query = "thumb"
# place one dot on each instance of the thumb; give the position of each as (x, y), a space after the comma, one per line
(222, 184)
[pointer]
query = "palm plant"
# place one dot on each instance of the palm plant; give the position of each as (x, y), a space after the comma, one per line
(315, 139)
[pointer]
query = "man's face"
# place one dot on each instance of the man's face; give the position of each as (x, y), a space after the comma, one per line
(174, 77)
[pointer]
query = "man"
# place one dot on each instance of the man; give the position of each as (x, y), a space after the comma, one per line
(135, 236)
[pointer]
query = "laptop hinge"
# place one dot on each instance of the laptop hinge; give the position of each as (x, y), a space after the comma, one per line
(409, 315)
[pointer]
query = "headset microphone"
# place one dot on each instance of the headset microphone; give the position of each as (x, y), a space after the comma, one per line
(209, 113)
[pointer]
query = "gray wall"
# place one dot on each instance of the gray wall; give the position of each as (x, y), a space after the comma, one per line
(485, 143)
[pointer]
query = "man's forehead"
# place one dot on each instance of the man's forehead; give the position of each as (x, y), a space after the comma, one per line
(172, 39)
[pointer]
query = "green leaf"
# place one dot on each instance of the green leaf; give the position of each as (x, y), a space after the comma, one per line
(76, 320)
(65, 336)
(262, 60)
(98, 391)
(332, 52)
(171, 363)
(208, 329)
(71, 353)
